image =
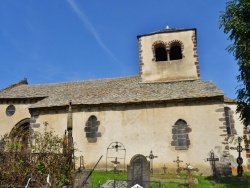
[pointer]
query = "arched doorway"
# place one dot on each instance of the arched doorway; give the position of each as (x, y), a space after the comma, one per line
(20, 133)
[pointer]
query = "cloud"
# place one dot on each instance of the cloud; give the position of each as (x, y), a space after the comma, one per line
(90, 27)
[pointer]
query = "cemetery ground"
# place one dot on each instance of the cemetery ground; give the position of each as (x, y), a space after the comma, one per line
(98, 178)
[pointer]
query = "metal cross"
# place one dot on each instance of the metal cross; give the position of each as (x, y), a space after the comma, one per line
(239, 159)
(189, 169)
(116, 146)
(178, 161)
(115, 164)
(151, 157)
(164, 169)
(212, 159)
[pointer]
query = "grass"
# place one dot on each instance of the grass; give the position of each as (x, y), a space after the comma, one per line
(100, 177)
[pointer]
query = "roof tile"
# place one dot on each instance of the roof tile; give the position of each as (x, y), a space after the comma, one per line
(112, 90)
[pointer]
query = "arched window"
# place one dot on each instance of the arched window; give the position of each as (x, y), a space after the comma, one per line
(91, 129)
(160, 53)
(175, 52)
(180, 135)
(228, 120)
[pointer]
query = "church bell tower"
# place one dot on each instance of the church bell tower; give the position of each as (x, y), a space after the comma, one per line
(168, 55)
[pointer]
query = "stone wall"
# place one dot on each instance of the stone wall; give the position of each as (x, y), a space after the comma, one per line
(186, 68)
(145, 127)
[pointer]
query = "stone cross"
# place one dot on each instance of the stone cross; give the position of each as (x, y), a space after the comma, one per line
(239, 159)
(115, 162)
(82, 167)
(151, 157)
(70, 126)
(178, 161)
(212, 159)
(116, 146)
(164, 169)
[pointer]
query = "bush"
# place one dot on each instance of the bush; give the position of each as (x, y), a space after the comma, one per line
(44, 154)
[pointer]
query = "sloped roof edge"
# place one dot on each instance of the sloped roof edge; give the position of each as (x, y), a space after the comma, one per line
(22, 82)
(229, 100)
(169, 30)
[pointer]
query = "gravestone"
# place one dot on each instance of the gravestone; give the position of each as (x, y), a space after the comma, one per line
(80, 177)
(139, 171)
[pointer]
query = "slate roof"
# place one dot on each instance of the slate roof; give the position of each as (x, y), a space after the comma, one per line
(229, 100)
(113, 90)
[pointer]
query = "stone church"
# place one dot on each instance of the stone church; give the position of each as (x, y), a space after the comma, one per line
(166, 109)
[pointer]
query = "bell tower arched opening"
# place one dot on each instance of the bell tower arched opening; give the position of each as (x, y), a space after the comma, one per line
(160, 53)
(175, 52)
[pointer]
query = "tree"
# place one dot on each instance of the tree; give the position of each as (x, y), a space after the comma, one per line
(236, 22)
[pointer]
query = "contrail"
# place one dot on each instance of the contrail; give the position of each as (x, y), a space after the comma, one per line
(90, 27)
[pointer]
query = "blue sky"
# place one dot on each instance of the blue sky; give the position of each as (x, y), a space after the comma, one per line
(50, 41)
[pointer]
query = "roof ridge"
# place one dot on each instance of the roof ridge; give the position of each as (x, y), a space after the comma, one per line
(80, 81)
(22, 82)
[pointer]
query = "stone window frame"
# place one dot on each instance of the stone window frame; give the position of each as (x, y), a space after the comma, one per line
(155, 45)
(10, 110)
(167, 46)
(21, 132)
(176, 43)
(91, 129)
(180, 133)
